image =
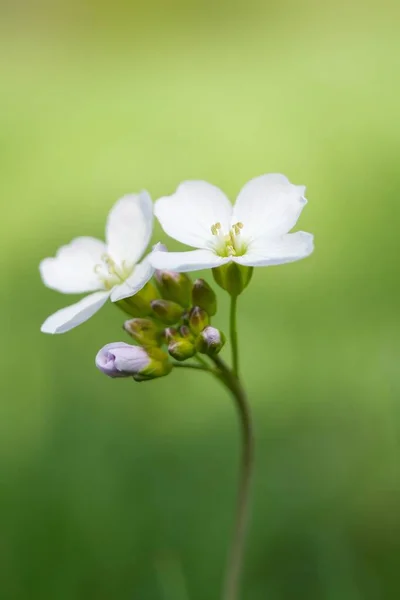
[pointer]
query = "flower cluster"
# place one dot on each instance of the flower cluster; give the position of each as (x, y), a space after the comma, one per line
(174, 324)
(171, 316)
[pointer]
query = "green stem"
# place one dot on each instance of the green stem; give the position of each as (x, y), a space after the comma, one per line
(202, 361)
(193, 366)
(237, 548)
(235, 561)
(233, 336)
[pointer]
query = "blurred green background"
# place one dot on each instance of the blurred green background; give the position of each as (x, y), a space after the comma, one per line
(114, 490)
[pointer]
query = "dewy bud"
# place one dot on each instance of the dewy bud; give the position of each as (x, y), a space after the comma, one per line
(139, 305)
(210, 341)
(204, 296)
(232, 277)
(173, 286)
(123, 360)
(198, 320)
(168, 312)
(144, 331)
(181, 349)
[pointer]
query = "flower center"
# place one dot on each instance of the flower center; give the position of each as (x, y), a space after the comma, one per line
(228, 244)
(111, 274)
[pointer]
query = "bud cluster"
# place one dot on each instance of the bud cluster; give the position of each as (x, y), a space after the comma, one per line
(170, 318)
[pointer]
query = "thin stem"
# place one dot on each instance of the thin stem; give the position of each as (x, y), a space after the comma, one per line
(202, 361)
(233, 336)
(193, 366)
(237, 548)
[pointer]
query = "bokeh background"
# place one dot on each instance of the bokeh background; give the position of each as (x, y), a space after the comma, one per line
(115, 490)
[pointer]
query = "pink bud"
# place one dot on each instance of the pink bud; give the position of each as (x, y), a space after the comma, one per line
(122, 360)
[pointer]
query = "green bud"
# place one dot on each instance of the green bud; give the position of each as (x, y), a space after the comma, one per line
(146, 332)
(204, 296)
(171, 333)
(185, 332)
(139, 305)
(198, 320)
(210, 341)
(181, 349)
(159, 365)
(166, 311)
(232, 277)
(176, 287)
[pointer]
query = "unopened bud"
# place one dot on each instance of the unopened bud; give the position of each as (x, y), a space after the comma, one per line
(170, 334)
(174, 286)
(210, 341)
(139, 305)
(185, 332)
(181, 349)
(123, 360)
(144, 331)
(232, 277)
(198, 320)
(166, 311)
(204, 296)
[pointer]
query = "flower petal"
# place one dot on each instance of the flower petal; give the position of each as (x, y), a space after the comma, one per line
(72, 316)
(186, 261)
(189, 214)
(72, 270)
(142, 273)
(129, 228)
(287, 248)
(268, 205)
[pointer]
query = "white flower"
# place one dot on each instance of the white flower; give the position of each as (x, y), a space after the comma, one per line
(253, 233)
(110, 270)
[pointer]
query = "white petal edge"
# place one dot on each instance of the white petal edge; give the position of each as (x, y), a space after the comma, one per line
(183, 262)
(288, 248)
(72, 316)
(129, 228)
(268, 205)
(72, 270)
(189, 213)
(142, 273)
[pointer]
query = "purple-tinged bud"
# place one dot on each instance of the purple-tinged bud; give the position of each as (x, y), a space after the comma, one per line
(181, 349)
(145, 332)
(170, 334)
(204, 296)
(185, 332)
(198, 320)
(210, 341)
(166, 311)
(123, 360)
(232, 277)
(176, 287)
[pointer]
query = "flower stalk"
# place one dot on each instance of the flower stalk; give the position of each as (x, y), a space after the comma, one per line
(236, 553)
(233, 335)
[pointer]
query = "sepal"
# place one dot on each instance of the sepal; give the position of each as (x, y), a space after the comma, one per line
(198, 320)
(232, 277)
(204, 296)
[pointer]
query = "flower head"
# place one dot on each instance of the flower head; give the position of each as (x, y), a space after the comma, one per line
(252, 233)
(110, 270)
